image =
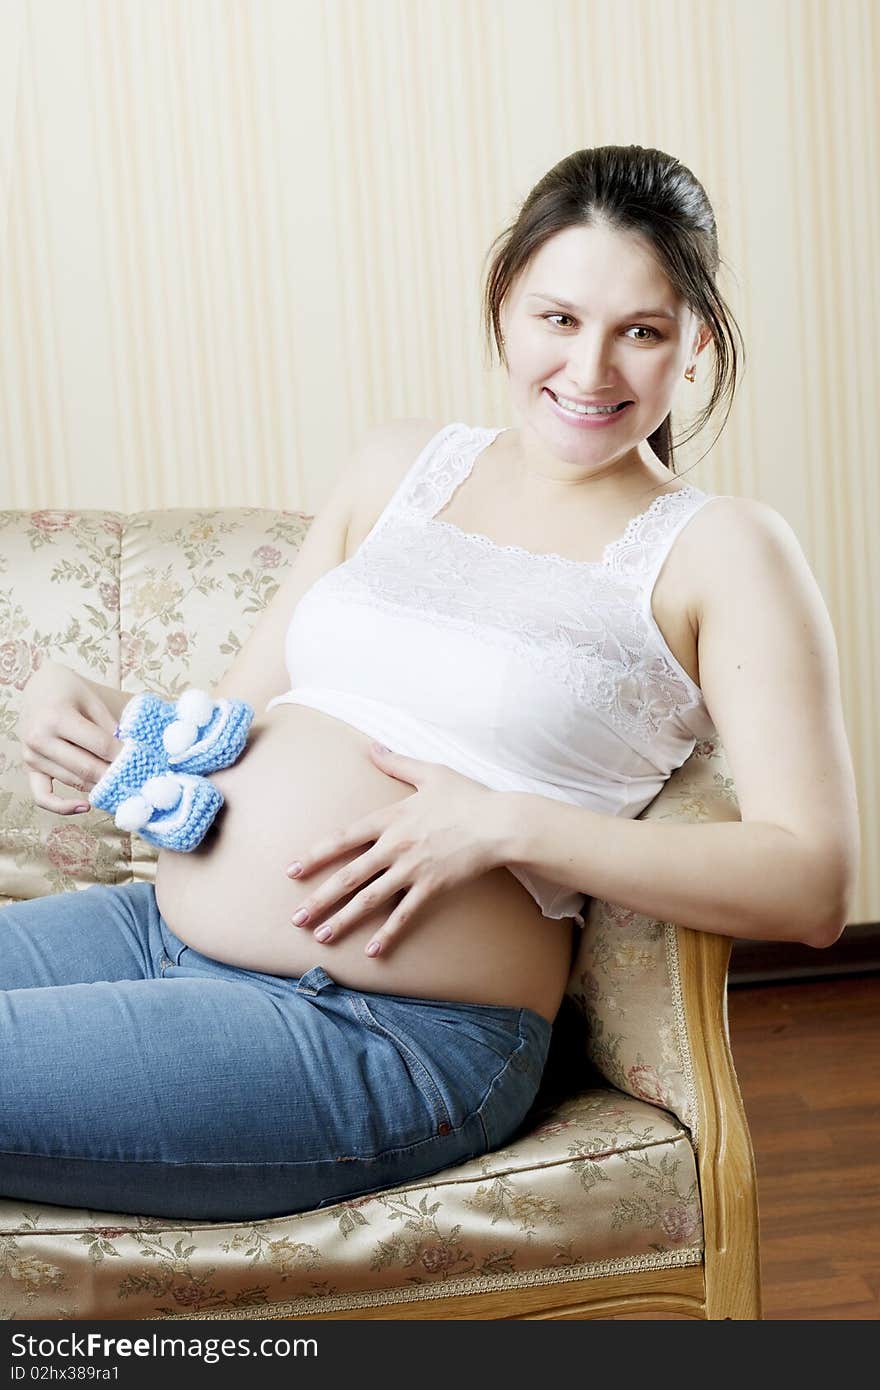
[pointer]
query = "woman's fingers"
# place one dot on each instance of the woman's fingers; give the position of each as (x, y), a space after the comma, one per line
(366, 831)
(370, 869)
(86, 734)
(78, 753)
(382, 940)
(67, 735)
(44, 797)
(42, 766)
(63, 762)
(69, 764)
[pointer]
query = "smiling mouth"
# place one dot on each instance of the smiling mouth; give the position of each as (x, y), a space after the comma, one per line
(593, 409)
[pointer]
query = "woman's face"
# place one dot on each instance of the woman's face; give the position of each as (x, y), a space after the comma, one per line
(604, 347)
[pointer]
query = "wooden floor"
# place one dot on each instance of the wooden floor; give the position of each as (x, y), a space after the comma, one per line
(806, 1054)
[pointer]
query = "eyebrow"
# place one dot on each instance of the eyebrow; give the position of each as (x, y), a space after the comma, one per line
(636, 313)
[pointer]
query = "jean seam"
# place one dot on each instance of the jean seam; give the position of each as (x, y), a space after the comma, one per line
(524, 1039)
(526, 1033)
(365, 1014)
(322, 1162)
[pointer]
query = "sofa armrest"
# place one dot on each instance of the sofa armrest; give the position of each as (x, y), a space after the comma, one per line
(644, 1020)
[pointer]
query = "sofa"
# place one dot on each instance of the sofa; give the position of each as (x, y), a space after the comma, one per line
(628, 1191)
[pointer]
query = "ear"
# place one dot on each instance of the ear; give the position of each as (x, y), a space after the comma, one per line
(702, 340)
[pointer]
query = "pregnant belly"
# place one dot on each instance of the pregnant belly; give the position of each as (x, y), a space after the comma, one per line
(302, 775)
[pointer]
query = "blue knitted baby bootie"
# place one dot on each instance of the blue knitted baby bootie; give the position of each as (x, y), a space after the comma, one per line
(172, 810)
(195, 734)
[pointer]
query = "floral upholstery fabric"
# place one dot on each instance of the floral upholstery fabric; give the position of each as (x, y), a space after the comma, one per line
(625, 978)
(602, 1176)
(600, 1179)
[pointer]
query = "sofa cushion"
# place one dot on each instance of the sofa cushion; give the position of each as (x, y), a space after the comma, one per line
(596, 1183)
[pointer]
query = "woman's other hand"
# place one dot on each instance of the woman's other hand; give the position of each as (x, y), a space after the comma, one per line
(67, 734)
(450, 830)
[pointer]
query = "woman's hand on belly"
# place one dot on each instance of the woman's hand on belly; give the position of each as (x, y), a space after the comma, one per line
(448, 831)
(305, 774)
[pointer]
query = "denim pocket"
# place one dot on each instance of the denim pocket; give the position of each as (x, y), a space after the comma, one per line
(422, 1078)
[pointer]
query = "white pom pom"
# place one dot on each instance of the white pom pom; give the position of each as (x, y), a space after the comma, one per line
(178, 736)
(133, 813)
(196, 705)
(163, 791)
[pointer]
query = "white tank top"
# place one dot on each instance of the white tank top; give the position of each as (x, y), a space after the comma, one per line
(526, 672)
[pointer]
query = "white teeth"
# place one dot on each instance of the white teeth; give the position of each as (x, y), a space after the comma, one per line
(585, 409)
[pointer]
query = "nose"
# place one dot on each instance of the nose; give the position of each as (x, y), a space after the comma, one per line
(590, 371)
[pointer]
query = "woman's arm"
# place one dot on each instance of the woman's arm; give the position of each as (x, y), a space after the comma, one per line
(755, 881)
(769, 674)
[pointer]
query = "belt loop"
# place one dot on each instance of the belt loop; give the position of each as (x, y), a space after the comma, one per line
(314, 980)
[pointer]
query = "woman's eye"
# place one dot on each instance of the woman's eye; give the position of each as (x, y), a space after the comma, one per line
(643, 327)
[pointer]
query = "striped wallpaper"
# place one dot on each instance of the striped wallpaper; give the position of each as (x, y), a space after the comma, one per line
(236, 233)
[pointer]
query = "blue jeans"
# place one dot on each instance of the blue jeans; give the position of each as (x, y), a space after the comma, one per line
(139, 1075)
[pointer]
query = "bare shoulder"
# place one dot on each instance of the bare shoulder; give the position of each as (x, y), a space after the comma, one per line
(731, 545)
(387, 452)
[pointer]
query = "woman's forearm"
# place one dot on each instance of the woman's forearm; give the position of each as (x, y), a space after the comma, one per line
(752, 880)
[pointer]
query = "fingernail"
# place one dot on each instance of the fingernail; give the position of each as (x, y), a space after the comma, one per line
(300, 917)
(374, 948)
(295, 869)
(86, 807)
(324, 934)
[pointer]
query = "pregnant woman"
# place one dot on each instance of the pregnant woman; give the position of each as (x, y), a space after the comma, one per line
(538, 622)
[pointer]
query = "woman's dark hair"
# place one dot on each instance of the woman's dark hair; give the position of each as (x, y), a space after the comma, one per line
(645, 192)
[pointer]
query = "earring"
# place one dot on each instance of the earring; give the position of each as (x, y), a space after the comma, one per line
(690, 374)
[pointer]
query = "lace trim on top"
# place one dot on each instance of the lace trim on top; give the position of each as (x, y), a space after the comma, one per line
(589, 629)
(427, 490)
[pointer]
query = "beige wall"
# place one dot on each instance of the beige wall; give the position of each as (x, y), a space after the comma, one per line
(235, 233)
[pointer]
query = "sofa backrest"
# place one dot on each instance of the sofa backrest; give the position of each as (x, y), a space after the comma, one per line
(161, 600)
(154, 600)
